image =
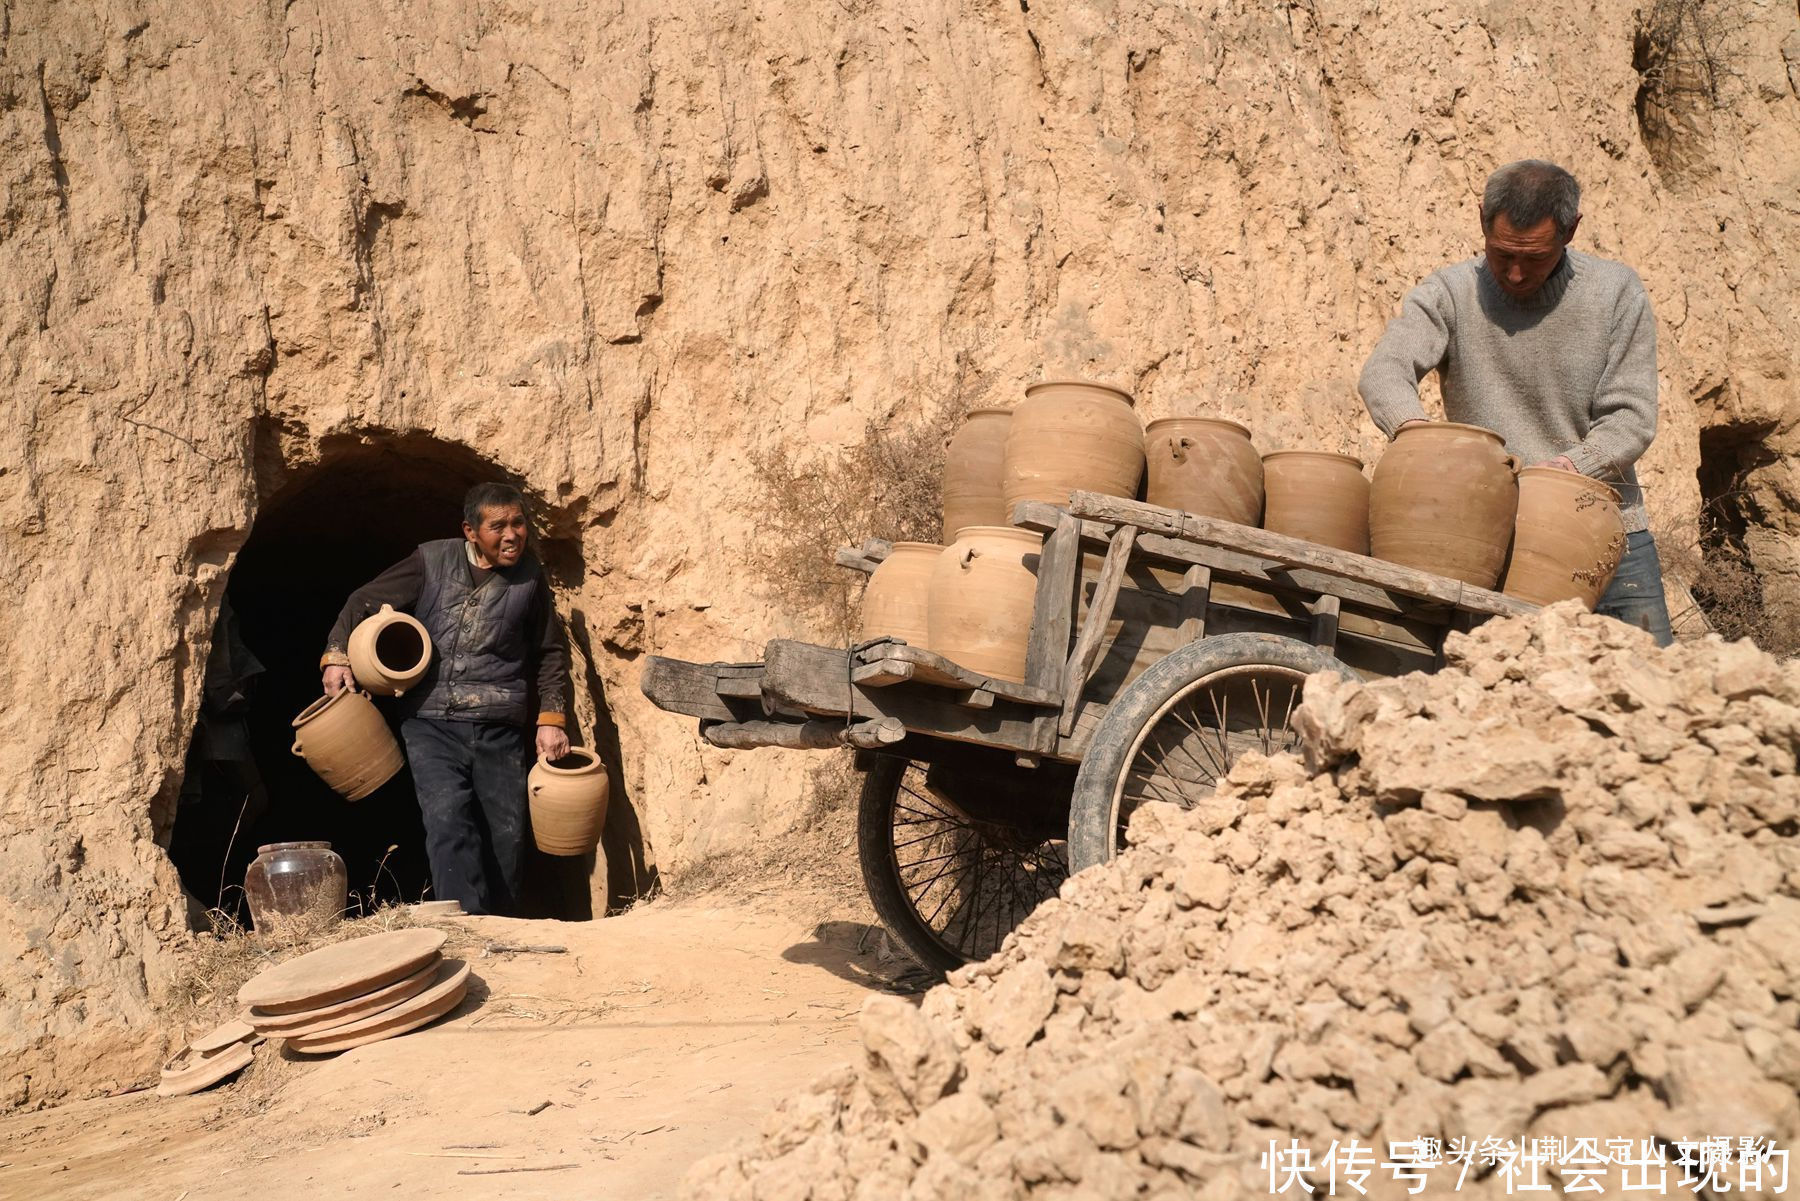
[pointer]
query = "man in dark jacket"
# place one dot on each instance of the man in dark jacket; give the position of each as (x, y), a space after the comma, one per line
(495, 637)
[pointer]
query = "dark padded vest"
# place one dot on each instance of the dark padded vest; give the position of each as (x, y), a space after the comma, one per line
(479, 641)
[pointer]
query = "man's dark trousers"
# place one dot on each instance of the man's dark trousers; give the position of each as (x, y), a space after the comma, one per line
(470, 777)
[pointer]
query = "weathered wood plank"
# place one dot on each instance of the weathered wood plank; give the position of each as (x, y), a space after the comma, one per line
(1325, 613)
(1053, 621)
(1196, 593)
(928, 667)
(1080, 666)
(865, 558)
(882, 672)
(1295, 552)
(812, 735)
(691, 689)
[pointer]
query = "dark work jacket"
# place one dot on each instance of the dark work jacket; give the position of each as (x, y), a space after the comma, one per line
(479, 638)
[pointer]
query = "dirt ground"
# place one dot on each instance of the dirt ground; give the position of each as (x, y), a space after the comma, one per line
(659, 1036)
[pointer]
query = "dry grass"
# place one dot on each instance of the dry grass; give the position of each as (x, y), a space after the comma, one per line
(1730, 598)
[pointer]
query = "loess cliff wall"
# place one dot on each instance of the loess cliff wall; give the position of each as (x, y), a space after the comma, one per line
(618, 251)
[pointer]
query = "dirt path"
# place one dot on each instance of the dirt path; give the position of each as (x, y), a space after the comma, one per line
(660, 1036)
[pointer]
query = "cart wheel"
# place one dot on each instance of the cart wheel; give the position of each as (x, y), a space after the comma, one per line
(949, 886)
(1177, 729)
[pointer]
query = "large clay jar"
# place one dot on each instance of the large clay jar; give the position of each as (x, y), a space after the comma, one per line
(1443, 500)
(1317, 496)
(389, 652)
(568, 802)
(296, 881)
(983, 590)
(1206, 466)
(1568, 539)
(1068, 436)
(972, 469)
(344, 739)
(898, 597)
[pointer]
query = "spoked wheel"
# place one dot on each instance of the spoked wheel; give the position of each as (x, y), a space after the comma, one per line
(1176, 730)
(955, 861)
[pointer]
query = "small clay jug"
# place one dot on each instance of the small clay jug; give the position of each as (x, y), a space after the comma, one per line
(344, 739)
(972, 469)
(568, 802)
(983, 591)
(898, 598)
(389, 652)
(1443, 500)
(1206, 466)
(1317, 496)
(1068, 436)
(1568, 538)
(289, 880)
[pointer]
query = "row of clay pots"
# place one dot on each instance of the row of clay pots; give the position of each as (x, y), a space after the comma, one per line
(970, 602)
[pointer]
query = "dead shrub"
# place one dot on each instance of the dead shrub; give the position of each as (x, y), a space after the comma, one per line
(1705, 555)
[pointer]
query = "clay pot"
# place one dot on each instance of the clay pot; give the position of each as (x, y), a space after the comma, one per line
(290, 880)
(568, 802)
(1206, 466)
(1568, 538)
(1318, 496)
(389, 652)
(343, 738)
(1070, 435)
(898, 596)
(983, 591)
(972, 469)
(1443, 500)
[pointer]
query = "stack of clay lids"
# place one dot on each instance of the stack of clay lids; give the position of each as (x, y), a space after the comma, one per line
(209, 1059)
(356, 992)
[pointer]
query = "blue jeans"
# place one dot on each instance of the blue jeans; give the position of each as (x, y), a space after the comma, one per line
(470, 777)
(1635, 595)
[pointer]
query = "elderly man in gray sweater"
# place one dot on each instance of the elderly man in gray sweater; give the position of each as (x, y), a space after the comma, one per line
(1552, 349)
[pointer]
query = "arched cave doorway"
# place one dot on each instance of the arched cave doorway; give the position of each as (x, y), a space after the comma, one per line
(318, 537)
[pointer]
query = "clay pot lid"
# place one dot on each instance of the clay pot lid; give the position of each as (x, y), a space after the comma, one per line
(438, 908)
(220, 1037)
(1121, 393)
(181, 1077)
(443, 996)
(342, 970)
(1317, 454)
(1453, 425)
(326, 1017)
(1225, 421)
(591, 763)
(1563, 475)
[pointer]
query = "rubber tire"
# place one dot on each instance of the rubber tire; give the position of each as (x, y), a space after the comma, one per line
(1092, 835)
(881, 874)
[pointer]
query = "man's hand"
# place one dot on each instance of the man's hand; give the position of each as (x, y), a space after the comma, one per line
(1560, 462)
(337, 679)
(552, 742)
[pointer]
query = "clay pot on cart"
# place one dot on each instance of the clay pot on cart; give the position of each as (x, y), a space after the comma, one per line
(897, 600)
(568, 802)
(389, 652)
(1567, 540)
(1068, 436)
(1318, 496)
(296, 880)
(1206, 466)
(344, 739)
(972, 470)
(983, 592)
(1443, 500)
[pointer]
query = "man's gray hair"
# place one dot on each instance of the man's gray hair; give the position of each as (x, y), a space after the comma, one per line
(490, 496)
(1530, 190)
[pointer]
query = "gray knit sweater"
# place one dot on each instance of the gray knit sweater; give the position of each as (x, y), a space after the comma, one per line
(1571, 371)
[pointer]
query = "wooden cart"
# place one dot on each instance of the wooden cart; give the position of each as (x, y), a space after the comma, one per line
(1163, 645)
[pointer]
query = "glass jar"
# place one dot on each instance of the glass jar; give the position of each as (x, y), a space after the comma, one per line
(294, 881)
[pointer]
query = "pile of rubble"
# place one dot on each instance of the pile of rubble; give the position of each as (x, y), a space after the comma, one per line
(1535, 916)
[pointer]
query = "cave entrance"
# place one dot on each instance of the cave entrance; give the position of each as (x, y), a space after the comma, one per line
(321, 535)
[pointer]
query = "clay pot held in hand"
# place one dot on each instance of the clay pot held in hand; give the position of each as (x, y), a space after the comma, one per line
(1206, 466)
(972, 469)
(1568, 539)
(1068, 436)
(296, 880)
(568, 802)
(983, 591)
(389, 652)
(898, 597)
(1443, 500)
(1317, 496)
(344, 739)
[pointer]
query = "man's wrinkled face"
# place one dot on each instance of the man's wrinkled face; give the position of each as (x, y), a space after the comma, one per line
(500, 539)
(1520, 260)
